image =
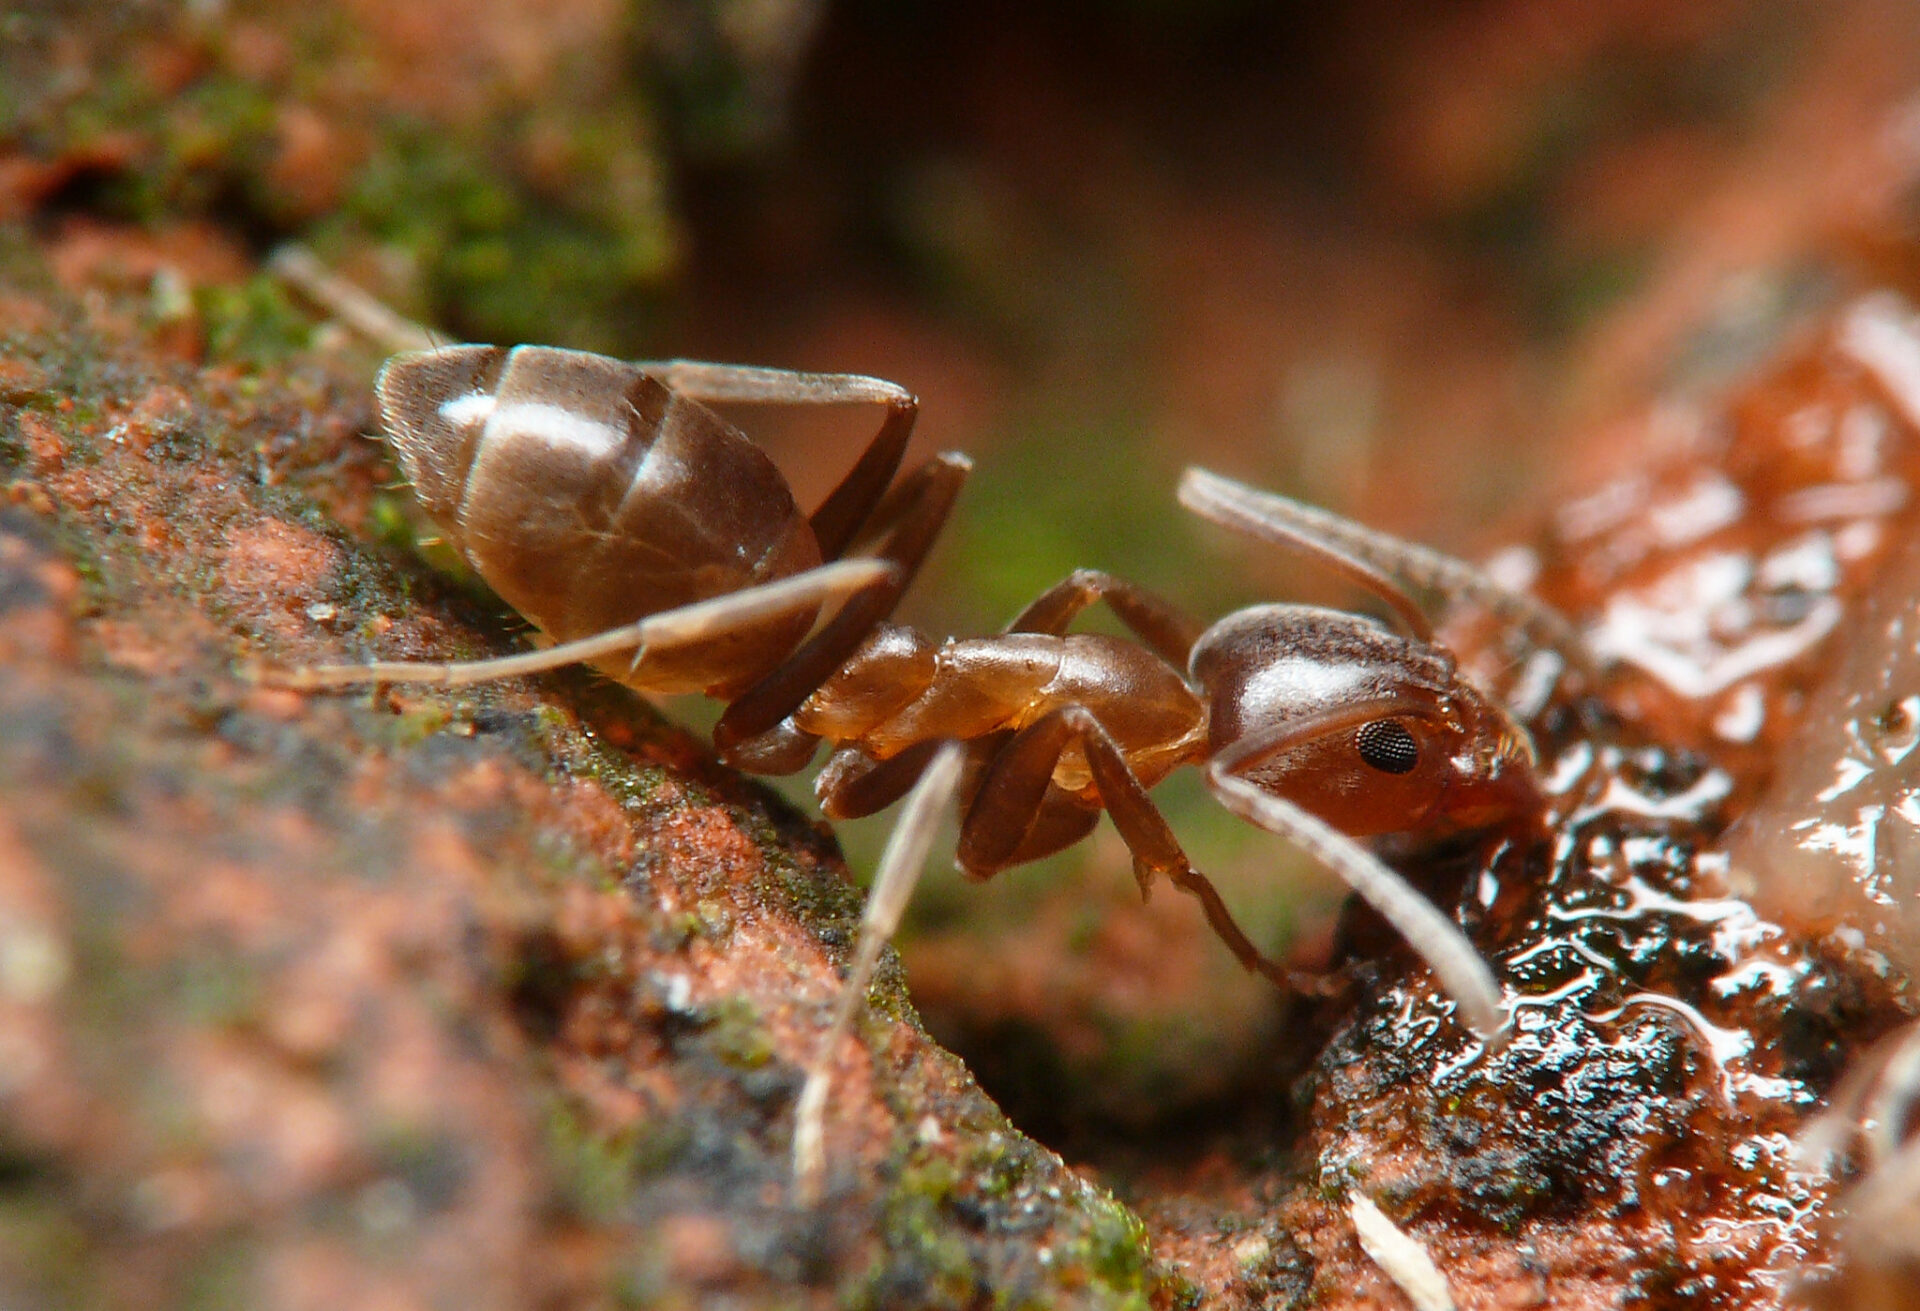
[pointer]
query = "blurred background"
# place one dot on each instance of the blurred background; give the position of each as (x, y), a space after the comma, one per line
(1414, 262)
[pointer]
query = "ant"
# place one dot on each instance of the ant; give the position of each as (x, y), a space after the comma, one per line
(644, 534)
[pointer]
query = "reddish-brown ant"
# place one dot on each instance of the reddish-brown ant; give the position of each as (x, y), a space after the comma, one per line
(647, 536)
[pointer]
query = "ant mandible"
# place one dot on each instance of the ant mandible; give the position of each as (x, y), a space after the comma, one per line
(644, 534)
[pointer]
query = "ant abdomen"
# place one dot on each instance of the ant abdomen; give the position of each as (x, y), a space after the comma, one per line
(589, 495)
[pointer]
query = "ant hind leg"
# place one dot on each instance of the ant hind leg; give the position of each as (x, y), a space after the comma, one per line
(298, 267)
(850, 505)
(929, 494)
(701, 621)
(853, 785)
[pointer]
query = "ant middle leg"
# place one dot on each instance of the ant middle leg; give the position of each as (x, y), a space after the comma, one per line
(934, 781)
(1014, 818)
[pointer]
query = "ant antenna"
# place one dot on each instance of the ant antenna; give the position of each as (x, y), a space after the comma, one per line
(1237, 506)
(1360, 552)
(1462, 971)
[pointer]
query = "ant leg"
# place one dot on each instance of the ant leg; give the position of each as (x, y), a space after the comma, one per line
(927, 499)
(302, 270)
(699, 622)
(1434, 936)
(782, 750)
(853, 785)
(1361, 553)
(758, 384)
(900, 867)
(850, 504)
(1154, 619)
(1011, 796)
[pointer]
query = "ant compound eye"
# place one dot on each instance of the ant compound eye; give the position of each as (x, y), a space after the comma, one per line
(1387, 746)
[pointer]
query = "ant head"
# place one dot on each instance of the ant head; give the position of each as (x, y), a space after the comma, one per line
(1370, 731)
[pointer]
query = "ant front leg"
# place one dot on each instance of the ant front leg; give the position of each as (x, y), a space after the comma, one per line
(1017, 815)
(1165, 628)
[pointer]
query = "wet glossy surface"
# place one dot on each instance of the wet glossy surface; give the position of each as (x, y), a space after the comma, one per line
(1633, 1144)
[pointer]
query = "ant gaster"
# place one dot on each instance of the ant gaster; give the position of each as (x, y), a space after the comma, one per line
(644, 534)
